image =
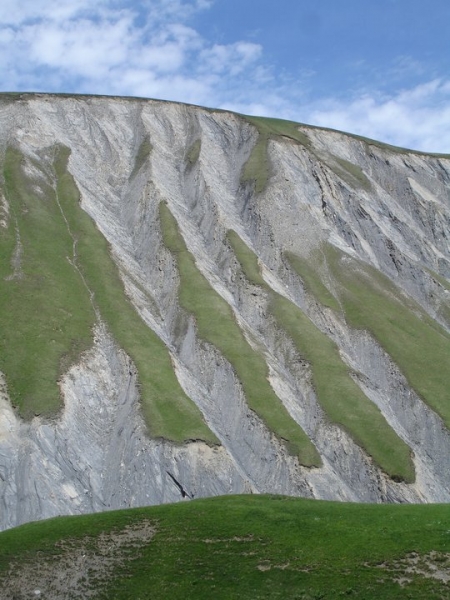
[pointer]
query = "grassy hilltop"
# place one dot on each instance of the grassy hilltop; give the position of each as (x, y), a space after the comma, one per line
(234, 547)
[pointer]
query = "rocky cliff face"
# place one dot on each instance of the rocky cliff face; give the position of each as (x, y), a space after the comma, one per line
(384, 211)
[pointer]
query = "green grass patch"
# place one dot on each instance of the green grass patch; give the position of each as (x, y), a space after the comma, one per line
(279, 128)
(349, 172)
(46, 317)
(247, 259)
(216, 324)
(194, 152)
(257, 167)
(417, 344)
(142, 156)
(340, 397)
(312, 281)
(255, 547)
(46, 314)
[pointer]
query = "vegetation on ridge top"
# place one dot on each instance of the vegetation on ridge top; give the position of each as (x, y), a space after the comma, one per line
(257, 167)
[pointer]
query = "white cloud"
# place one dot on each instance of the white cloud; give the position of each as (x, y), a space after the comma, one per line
(232, 58)
(17, 13)
(117, 47)
(83, 47)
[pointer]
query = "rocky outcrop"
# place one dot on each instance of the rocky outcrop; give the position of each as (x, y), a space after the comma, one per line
(390, 209)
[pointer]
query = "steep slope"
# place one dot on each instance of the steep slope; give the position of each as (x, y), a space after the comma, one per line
(194, 303)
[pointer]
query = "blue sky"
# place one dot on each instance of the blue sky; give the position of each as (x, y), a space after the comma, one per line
(380, 69)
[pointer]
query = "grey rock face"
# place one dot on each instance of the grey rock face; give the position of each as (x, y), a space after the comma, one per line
(97, 455)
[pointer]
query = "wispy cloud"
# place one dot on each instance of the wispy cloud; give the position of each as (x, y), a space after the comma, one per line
(152, 49)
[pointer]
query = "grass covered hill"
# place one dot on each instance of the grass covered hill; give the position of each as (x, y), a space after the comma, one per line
(233, 547)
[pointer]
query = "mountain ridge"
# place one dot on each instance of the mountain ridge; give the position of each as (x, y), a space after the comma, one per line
(13, 96)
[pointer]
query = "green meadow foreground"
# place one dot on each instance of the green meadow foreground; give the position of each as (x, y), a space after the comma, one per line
(233, 547)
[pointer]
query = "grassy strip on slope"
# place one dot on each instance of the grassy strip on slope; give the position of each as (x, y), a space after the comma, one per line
(416, 343)
(348, 171)
(46, 317)
(251, 547)
(312, 281)
(216, 324)
(193, 153)
(168, 412)
(340, 397)
(142, 156)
